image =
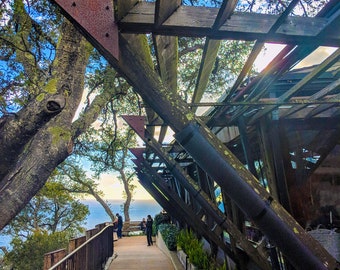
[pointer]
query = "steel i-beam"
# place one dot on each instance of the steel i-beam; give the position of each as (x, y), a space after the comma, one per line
(137, 124)
(183, 210)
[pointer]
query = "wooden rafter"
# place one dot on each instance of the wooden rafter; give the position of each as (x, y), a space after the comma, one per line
(314, 74)
(198, 22)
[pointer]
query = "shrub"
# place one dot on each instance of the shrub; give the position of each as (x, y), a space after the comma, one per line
(29, 254)
(193, 247)
(169, 234)
(161, 218)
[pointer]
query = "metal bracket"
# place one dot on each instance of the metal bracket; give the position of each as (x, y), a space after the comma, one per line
(95, 19)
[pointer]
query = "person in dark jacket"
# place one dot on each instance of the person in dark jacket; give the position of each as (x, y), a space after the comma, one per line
(143, 225)
(149, 222)
(119, 225)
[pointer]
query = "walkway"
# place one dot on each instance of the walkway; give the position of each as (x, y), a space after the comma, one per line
(133, 253)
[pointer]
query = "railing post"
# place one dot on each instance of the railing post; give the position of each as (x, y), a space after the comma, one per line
(53, 257)
(79, 258)
(89, 252)
(90, 256)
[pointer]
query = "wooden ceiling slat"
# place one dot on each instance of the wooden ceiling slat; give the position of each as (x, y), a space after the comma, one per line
(198, 21)
(123, 7)
(210, 51)
(320, 94)
(258, 47)
(280, 64)
(311, 76)
(278, 67)
(166, 48)
(208, 60)
(218, 113)
(224, 13)
(322, 108)
(164, 8)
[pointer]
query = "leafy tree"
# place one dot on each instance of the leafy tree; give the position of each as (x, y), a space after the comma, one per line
(108, 151)
(43, 66)
(51, 210)
(29, 254)
(47, 222)
(75, 180)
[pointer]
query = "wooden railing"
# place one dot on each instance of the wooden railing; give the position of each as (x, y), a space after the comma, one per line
(89, 252)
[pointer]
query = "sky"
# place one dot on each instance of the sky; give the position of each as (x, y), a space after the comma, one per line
(113, 189)
(273, 49)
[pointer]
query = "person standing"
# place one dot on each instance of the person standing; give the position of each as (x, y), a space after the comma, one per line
(143, 225)
(149, 222)
(119, 225)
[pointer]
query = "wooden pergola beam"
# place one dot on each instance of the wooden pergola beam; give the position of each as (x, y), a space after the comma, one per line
(164, 9)
(257, 48)
(166, 50)
(311, 76)
(199, 22)
(208, 60)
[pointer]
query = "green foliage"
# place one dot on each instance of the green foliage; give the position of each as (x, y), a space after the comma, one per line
(193, 247)
(161, 218)
(29, 254)
(169, 233)
(50, 219)
(52, 209)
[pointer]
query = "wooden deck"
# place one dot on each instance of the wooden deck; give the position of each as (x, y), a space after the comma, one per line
(133, 253)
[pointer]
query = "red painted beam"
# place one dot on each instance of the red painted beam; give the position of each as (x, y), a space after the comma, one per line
(95, 19)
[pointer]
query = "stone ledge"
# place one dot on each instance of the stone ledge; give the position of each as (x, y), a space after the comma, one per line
(172, 255)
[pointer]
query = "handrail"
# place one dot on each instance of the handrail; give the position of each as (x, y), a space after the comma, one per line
(79, 248)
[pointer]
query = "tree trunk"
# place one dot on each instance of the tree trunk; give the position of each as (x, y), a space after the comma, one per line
(104, 204)
(16, 130)
(51, 141)
(128, 195)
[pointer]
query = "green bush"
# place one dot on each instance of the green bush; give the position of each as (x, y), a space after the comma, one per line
(193, 247)
(29, 254)
(161, 218)
(169, 234)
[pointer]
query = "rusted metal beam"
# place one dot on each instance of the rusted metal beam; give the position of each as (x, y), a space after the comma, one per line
(96, 19)
(153, 190)
(158, 196)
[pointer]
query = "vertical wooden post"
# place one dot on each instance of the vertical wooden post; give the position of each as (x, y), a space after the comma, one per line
(79, 258)
(53, 257)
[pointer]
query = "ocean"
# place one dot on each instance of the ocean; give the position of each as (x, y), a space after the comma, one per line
(139, 209)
